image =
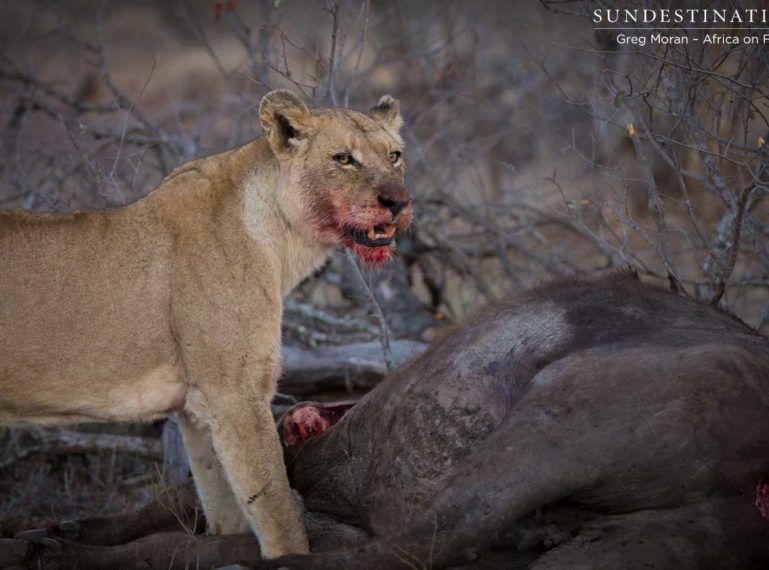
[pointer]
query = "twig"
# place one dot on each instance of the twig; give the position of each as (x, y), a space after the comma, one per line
(384, 329)
(330, 90)
(657, 207)
(727, 266)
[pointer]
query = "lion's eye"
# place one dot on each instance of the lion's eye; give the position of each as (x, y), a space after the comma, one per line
(395, 156)
(344, 158)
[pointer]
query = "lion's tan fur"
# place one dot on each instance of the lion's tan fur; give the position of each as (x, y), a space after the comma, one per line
(173, 303)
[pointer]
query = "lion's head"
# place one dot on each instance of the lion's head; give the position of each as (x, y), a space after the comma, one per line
(341, 173)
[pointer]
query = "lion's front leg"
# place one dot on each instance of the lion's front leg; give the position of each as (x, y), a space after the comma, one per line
(232, 382)
(223, 514)
(246, 443)
(227, 319)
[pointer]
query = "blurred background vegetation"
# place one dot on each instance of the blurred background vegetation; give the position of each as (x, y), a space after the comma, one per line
(537, 147)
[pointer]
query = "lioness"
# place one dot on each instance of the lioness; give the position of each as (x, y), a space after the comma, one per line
(173, 303)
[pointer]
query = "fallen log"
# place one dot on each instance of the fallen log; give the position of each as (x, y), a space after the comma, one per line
(165, 535)
(68, 442)
(175, 550)
(347, 368)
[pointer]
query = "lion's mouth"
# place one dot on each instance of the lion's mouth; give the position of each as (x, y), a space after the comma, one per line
(378, 236)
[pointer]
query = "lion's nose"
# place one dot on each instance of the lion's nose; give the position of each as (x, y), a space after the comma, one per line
(395, 206)
(394, 197)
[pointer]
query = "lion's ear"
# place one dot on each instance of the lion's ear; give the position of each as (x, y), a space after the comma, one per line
(387, 112)
(285, 120)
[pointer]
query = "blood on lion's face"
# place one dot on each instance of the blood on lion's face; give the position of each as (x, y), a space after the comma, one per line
(342, 174)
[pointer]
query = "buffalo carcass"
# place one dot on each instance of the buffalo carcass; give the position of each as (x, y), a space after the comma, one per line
(617, 423)
(585, 424)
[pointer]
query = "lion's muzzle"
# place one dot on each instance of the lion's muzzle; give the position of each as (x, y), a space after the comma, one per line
(373, 238)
